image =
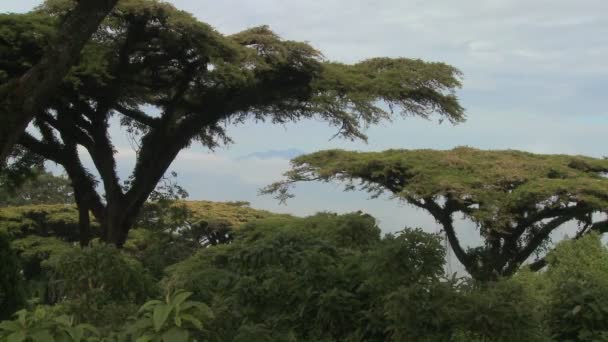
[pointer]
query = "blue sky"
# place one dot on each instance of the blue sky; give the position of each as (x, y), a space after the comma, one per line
(535, 76)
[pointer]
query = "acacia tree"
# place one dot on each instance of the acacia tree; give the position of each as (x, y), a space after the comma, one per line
(516, 199)
(27, 91)
(147, 54)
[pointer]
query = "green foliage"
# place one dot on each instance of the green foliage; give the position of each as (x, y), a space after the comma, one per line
(325, 277)
(12, 295)
(148, 54)
(500, 311)
(22, 166)
(410, 256)
(58, 221)
(43, 188)
(421, 312)
(355, 230)
(171, 231)
(516, 199)
(175, 319)
(96, 283)
(200, 222)
(293, 278)
(503, 183)
(43, 325)
(578, 300)
(34, 251)
(22, 38)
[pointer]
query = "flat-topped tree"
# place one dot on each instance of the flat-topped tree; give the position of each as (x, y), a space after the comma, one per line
(148, 54)
(516, 199)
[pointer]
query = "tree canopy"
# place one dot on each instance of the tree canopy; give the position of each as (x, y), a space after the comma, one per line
(515, 198)
(26, 91)
(147, 54)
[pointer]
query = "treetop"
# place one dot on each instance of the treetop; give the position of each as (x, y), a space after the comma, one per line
(485, 184)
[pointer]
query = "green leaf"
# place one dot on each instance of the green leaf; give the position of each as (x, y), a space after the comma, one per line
(76, 333)
(145, 338)
(195, 321)
(148, 304)
(10, 326)
(175, 335)
(21, 314)
(160, 315)
(64, 320)
(18, 336)
(180, 297)
(90, 329)
(204, 309)
(42, 336)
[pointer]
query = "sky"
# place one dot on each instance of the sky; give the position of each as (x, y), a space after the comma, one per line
(535, 73)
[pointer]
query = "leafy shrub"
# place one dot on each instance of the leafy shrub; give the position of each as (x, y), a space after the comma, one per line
(578, 295)
(34, 251)
(499, 311)
(285, 279)
(43, 325)
(12, 296)
(99, 283)
(421, 312)
(174, 320)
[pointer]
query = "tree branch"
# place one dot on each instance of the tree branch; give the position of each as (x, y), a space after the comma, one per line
(137, 115)
(445, 219)
(535, 242)
(24, 98)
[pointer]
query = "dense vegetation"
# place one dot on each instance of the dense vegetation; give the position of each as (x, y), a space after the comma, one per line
(515, 199)
(326, 277)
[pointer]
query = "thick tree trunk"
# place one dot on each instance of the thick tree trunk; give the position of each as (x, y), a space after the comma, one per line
(119, 218)
(22, 99)
(84, 225)
(113, 227)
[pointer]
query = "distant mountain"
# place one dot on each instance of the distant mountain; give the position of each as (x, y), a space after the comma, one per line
(270, 154)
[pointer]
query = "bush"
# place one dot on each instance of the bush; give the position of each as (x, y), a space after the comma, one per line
(99, 284)
(499, 311)
(578, 290)
(174, 320)
(285, 279)
(12, 295)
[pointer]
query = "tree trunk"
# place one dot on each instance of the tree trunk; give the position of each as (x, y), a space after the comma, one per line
(84, 225)
(119, 218)
(23, 98)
